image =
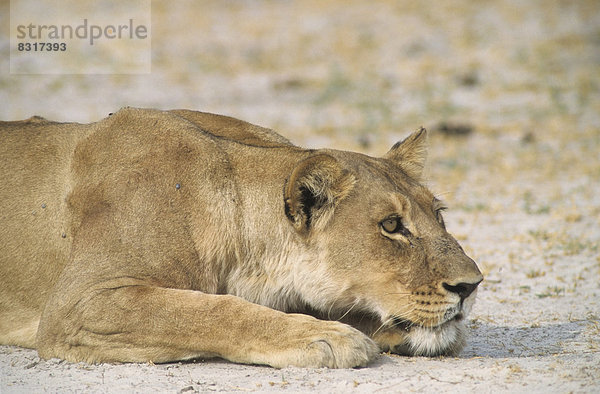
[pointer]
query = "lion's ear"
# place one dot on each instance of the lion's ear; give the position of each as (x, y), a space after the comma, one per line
(313, 190)
(411, 154)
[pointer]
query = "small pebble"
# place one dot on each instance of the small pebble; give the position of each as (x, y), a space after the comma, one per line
(177, 186)
(43, 206)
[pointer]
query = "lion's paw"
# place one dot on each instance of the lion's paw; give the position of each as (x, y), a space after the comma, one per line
(314, 344)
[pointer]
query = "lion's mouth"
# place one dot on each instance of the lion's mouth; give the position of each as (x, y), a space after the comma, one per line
(408, 325)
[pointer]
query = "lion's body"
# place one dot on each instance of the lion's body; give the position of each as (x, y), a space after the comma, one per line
(36, 157)
(158, 236)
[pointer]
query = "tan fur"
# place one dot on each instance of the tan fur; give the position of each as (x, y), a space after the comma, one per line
(169, 235)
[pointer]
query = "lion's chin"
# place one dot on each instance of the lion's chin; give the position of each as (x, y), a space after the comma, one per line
(447, 339)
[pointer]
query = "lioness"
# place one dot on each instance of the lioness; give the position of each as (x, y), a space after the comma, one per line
(170, 235)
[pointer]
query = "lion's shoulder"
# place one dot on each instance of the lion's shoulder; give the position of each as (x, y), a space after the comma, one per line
(232, 129)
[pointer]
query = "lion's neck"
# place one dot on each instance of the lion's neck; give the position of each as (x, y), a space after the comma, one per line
(268, 274)
(267, 250)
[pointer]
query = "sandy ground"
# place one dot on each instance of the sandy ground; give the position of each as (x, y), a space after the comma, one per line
(521, 78)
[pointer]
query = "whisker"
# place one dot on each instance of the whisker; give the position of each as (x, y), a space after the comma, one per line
(399, 319)
(330, 309)
(385, 323)
(349, 309)
(402, 294)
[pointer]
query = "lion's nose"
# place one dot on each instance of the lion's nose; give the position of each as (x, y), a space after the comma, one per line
(462, 289)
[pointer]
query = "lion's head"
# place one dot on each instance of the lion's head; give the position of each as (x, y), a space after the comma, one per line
(386, 263)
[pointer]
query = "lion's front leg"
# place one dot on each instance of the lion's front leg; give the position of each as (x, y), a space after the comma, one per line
(143, 323)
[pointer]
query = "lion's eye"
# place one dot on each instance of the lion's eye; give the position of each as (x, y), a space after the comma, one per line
(391, 225)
